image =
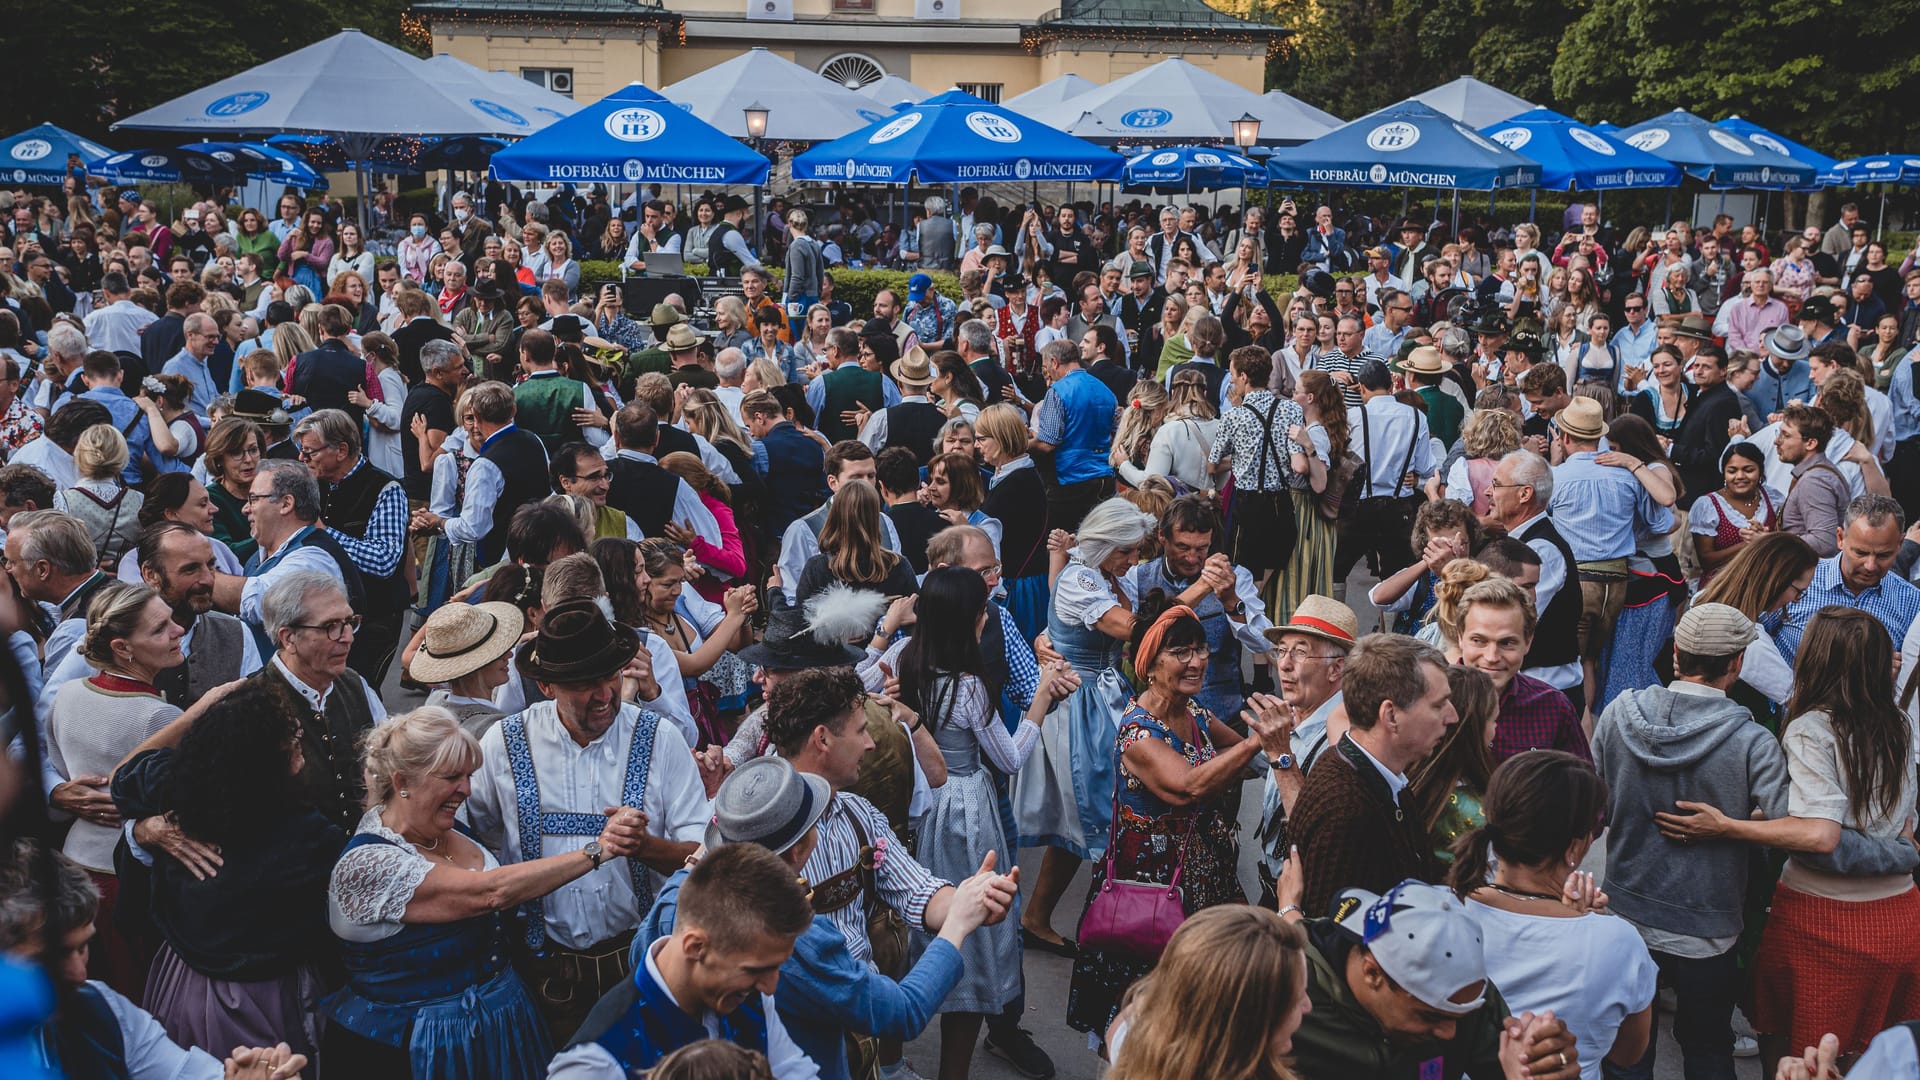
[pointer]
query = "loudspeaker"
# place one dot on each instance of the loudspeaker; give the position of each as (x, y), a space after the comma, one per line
(770, 10)
(643, 293)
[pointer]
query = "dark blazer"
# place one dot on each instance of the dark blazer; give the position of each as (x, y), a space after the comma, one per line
(325, 375)
(410, 337)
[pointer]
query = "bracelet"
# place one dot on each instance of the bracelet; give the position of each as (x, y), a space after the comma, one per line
(1291, 907)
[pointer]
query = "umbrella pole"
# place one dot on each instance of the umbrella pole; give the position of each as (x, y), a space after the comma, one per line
(759, 215)
(1880, 224)
(1533, 203)
(1669, 214)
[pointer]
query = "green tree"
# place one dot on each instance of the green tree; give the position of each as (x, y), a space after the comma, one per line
(93, 62)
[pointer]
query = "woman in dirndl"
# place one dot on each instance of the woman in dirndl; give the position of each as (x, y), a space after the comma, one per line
(1017, 499)
(1062, 798)
(1656, 586)
(942, 676)
(417, 904)
(449, 564)
(1176, 807)
(1838, 953)
(1320, 442)
(1724, 520)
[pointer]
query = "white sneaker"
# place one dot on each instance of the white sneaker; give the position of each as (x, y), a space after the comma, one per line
(1746, 1046)
(901, 1070)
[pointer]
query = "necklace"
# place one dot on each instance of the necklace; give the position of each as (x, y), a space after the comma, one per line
(1522, 894)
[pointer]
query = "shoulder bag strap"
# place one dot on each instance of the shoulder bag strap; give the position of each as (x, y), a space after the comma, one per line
(1366, 446)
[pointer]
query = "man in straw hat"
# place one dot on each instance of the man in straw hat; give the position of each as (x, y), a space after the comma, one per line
(685, 346)
(1310, 661)
(913, 423)
(1425, 367)
(550, 772)
(1599, 508)
(824, 992)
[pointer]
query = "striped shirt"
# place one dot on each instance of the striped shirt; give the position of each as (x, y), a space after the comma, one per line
(1334, 360)
(905, 885)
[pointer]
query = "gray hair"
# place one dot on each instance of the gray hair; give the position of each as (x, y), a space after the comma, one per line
(1110, 526)
(1061, 352)
(1456, 342)
(1532, 470)
(285, 602)
(26, 913)
(977, 335)
(57, 538)
(297, 296)
(65, 339)
(334, 426)
(437, 356)
(730, 365)
(1760, 271)
(295, 479)
(1876, 510)
(983, 230)
(936, 205)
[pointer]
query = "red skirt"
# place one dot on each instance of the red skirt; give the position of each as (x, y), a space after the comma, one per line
(1832, 965)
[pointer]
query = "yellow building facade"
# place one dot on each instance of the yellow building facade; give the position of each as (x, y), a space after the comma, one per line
(993, 48)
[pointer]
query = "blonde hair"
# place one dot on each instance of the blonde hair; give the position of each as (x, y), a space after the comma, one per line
(1194, 1018)
(100, 453)
(113, 613)
(1490, 433)
(1003, 423)
(1189, 397)
(425, 742)
(289, 341)
(1498, 592)
(581, 509)
(768, 372)
(1140, 415)
(1449, 595)
(709, 418)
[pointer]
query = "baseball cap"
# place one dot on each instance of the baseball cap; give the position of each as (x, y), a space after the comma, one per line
(1423, 938)
(1713, 630)
(917, 286)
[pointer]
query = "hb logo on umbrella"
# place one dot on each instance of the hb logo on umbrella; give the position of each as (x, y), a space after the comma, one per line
(635, 125)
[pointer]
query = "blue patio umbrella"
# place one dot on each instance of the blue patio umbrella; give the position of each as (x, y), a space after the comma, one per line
(164, 166)
(1716, 155)
(1574, 157)
(262, 161)
(632, 136)
(1780, 144)
(956, 138)
(1879, 169)
(1406, 145)
(1204, 168)
(39, 154)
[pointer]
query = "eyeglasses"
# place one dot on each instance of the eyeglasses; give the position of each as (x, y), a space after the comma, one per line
(335, 629)
(254, 498)
(249, 452)
(1299, 655)
(1186, 654)
(307, 454)
(1636, 307)
(1496, 485)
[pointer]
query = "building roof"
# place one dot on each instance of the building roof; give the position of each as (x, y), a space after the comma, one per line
(1150, 18)
(592, 10)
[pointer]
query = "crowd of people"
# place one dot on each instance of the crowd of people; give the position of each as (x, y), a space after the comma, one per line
(438, 671)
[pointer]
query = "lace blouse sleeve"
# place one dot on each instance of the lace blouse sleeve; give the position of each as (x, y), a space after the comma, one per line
(373, 883)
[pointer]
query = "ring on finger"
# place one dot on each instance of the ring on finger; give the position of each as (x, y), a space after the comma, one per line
(1563, 1059)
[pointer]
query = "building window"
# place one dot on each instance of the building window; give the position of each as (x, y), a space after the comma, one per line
(558, 80)
(852, 70)
(852, 7)
(989, 91)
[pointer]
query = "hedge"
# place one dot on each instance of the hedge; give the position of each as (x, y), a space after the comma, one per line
(857, 287)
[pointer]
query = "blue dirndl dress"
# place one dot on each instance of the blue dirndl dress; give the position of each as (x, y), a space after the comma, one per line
(447, 994)
(1063, 796)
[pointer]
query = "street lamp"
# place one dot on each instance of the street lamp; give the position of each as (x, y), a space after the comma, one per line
(1246, 131)
(757, 121)
(756, 114)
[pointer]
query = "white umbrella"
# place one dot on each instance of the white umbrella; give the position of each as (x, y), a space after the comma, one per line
(1049, 93)
(1174, 101)
(891, 90)
(800, 104)
(1474, 103)
(537, 103)
(347, 85)
(1284, 103)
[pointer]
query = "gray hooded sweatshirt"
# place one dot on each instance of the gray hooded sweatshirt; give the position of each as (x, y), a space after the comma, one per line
(1655, 748)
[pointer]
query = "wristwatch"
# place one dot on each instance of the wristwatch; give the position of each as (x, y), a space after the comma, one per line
(1284, 761)
(592, 852)
(1238, 609)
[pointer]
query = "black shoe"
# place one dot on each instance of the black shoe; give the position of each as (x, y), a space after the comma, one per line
(1020, 1051)
(1065, 947)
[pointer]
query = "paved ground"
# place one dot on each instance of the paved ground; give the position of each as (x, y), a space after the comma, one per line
(1048, 977)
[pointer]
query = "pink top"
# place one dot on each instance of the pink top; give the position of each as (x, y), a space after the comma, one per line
(729, 558)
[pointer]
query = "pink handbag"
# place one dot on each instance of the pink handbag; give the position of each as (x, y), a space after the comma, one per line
(1134, 918)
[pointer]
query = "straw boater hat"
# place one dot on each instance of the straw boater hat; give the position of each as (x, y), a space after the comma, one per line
(1583, 418)
(1427, 360)
(460, 639)
(681, 338)
(913, 368)
(1322, 617)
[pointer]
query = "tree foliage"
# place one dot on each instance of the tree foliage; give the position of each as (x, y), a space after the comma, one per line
(86, 63)
(1811, 69)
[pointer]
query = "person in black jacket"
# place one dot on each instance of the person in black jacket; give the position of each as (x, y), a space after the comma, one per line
(1703, 434)
(327, 375)
(898, 475)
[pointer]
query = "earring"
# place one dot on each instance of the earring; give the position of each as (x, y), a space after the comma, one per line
(405, 795)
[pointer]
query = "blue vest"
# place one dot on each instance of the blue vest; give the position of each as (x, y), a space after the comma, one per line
(638, 1023)
(1087, 428)
(86, 1041)
(536, 825)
